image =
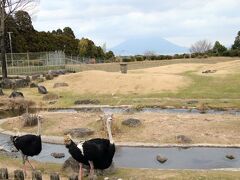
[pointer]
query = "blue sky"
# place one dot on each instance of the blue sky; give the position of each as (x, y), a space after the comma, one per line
(112, 21)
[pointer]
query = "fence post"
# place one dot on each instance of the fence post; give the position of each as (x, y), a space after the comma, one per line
(27, 59)
(18, 175)
(54, 176)
(47, 58)
(36, 175)
(3, 173)
(73, 177)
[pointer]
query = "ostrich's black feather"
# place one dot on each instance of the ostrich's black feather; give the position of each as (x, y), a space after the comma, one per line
(30, 145)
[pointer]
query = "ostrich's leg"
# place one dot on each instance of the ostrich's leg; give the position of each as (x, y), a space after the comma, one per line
(91, 169)
(33, 168)
(24, 166)
(80, 176)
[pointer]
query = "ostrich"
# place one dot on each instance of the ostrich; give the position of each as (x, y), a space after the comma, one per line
(96, 153)
(28, 145)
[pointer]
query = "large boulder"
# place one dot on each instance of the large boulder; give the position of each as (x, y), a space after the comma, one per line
(57, 72)
(15, 94)
(21, 83)
(56, 85)
(7, 83)
(79, 132)
(131, 122)
(42, 90)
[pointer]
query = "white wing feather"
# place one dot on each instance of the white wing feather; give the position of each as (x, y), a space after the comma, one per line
(80, 146)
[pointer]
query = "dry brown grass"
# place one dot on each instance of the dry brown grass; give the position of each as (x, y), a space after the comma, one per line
(100, 82)
(156, 127)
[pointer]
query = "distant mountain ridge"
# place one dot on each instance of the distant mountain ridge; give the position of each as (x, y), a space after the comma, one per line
(139, 46)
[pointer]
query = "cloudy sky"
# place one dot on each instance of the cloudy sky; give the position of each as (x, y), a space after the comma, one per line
(112, 21)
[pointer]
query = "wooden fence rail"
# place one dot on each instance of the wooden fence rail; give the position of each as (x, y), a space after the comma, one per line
(36, 175)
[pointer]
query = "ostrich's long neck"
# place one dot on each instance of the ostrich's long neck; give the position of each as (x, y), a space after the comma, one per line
(39, 128)
(109, 133)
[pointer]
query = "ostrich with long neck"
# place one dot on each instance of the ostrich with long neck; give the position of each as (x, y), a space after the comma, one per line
(28, 145)
(96, 153)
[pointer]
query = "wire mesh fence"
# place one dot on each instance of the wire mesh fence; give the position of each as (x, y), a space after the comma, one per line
(34, 62)
(35, 59)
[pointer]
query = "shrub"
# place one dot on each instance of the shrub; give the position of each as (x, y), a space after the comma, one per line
(30, 119)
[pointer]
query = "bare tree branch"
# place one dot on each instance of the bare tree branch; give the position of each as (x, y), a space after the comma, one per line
(201, 46)
(7, 8)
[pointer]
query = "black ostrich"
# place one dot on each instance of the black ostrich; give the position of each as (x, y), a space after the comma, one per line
(96, 153)
(28, 145)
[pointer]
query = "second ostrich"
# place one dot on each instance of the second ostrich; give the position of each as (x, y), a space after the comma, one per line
(28, 145)
(97, 153)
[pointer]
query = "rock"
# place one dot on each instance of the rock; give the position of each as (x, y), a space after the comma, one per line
(21, 83)
(131, 122)
(58, 155)
(86, 101)
(49, 77)
(50, 97)
(35, 76)
(231, 157)
(15, 94)
(192, 102)
(56, 85)
(42, 90)
(39, 80)
(52, 102)
(9, 154)
(161, 159)
(209, 71)
(79, 132)
(7, 83)
(33, 85)
(1, 92)
(183, 139)
(71, 165)
(28, 79)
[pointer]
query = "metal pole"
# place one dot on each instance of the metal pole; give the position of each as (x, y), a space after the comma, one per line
(10, 39)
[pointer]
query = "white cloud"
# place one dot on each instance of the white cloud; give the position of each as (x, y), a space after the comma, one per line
(112, 21)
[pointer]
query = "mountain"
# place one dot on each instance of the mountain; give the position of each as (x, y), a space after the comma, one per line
(139, 46)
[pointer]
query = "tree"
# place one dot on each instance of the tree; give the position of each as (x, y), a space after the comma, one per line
(7, 8)
(219, 48)
(236, 44)
(201, 46)
(67, 31)
(23, 21)
(109, 55)
(87, 48)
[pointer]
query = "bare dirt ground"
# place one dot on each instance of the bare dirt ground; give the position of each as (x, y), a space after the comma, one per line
(162, 128)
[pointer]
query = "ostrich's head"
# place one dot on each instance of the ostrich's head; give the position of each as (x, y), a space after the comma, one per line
(67, 139)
